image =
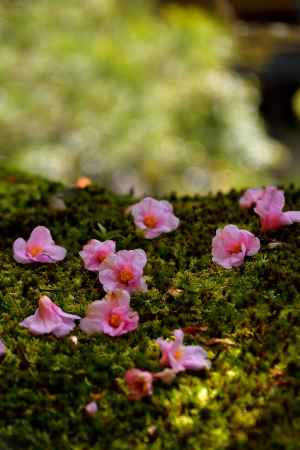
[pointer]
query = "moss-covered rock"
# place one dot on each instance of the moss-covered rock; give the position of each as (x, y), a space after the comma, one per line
(250, 398)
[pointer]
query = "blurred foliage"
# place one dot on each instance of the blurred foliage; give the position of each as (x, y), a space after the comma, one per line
(127, 94)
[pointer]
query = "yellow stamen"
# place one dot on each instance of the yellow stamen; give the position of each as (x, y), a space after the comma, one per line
(35, 250)
(125, 276)
(178, 354)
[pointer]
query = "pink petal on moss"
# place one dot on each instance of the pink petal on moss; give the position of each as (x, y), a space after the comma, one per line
(250, 197)
(55, 252)
(41, 237)
(19, 251)
(292, 216)
(2, 348)
(181, 357)
(139, 383)
(166, 375)
(91, 408)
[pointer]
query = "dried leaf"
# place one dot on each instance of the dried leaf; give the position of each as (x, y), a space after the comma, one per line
(96, 396)
(195, 329)
(174, 292)
(275, 244)
(277, 373)
(226, 342)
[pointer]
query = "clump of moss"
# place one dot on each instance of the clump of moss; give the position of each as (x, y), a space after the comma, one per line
(251, 396)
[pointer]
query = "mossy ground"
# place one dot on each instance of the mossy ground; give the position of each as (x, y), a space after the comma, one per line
(250, 398)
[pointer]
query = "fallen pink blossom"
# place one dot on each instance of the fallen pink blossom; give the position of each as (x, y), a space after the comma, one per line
(269, 208)
(154, 217)
(231, 245)
(95, 252)
(112, 316)
(139, 383)
(181, 357)
(40, 247)
(124, 270)
(49, 318)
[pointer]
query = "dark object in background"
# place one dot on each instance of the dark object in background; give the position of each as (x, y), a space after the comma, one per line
(267, 10)
(279, 69)
(280, 80)
(252, 10)
(268, 32)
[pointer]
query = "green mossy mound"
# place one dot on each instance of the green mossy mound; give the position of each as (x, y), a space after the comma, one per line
(250, 398)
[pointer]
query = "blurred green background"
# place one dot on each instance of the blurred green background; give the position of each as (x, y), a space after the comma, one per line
(131, 94)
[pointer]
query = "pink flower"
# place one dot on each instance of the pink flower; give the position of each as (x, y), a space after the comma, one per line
(49, 318)
(91, 408)
(124, 270)
(154, 217)
(95, 252)
(181, 357)
(269, 208)
(112, 315)
(231, 245)
(250, 197)
(2, 349)
(40, 247)
(139, 383)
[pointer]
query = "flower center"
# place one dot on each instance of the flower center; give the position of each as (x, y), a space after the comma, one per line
(114, 320)
(178, 354)
(125, 276)
(35, 250)
(100, 257)
(150, 221)
(141, 385)
(235, 248)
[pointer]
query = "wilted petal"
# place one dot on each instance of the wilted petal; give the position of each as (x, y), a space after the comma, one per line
(166, 375)
(2, 348)
(139, 383)
(181, 357)
(91, 408)
(250, 197)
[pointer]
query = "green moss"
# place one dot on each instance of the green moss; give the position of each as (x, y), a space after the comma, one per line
(250, 398)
